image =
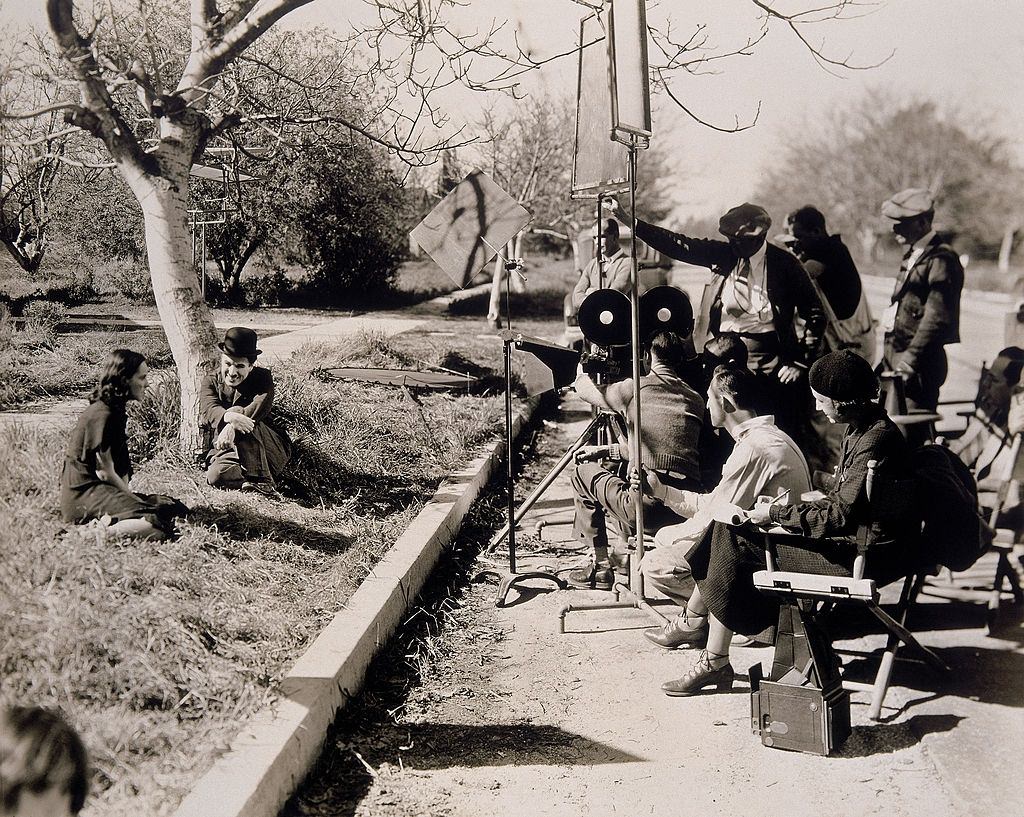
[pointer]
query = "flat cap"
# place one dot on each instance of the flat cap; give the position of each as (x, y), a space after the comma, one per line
(908, 203)
(745, 220)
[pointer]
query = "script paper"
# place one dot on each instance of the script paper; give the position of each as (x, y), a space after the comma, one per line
(469, 225)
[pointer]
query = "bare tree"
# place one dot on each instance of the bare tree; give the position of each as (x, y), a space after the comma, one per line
(190, 90)
(157, 80)
(863, 153)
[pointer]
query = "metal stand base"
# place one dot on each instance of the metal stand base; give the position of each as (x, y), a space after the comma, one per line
(625, 599)
(506, 581)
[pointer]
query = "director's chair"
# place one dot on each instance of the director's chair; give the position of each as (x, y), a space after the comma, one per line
(811, 594)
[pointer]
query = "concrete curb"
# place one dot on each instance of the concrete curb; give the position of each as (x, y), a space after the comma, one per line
(277, 746)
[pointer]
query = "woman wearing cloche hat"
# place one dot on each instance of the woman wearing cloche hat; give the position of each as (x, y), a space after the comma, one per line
(821, 538)
(248, 452)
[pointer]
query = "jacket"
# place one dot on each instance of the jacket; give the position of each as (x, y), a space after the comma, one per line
(789, 290)
(928, 311)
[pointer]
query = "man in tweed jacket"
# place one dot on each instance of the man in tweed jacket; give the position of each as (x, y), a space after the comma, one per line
(924, 314)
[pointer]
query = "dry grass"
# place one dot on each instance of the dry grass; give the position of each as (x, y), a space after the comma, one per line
(157, 651)
(37, 365)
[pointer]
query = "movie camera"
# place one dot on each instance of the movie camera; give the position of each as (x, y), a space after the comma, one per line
(604, 319)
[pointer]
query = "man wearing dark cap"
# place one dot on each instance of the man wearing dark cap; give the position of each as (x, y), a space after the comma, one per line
(834, 276)
(248, 452)
(759, 291)
(616, 266)
(924, 314)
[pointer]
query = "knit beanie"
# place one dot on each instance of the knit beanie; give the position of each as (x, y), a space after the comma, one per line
(843, 376)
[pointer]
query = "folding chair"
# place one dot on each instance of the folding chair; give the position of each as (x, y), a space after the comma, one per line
(1005, 539)
(812, 593)
(994, 455)
(982, 437)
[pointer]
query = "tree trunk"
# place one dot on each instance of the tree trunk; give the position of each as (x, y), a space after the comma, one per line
(1006, 248)
(183, 312)
(494, 302)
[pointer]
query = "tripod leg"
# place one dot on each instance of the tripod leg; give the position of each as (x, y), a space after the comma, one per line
(559, 466)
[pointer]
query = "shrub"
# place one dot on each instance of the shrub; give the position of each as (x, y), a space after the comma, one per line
(42, 319)
(269, 289)
(122, 275)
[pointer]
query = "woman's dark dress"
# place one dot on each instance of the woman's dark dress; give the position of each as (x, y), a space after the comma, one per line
(84, 496)
(725, 559)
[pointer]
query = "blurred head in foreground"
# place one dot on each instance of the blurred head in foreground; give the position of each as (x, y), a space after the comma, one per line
(43, 764)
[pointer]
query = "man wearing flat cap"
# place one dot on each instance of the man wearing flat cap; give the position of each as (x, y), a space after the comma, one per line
(758, 292)
(924, 313)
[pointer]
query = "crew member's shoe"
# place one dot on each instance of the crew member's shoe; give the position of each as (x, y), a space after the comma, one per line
(683, 631)
(701, 676)
(591, 577)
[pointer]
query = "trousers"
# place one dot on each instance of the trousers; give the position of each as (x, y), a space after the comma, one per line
(602, 498)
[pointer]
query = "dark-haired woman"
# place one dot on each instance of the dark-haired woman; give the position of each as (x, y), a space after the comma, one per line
(97, 467)
(724, 561)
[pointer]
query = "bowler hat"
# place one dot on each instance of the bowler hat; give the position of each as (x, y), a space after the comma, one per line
(239, 341)
(746, 220)
(843, 376)
(908, 203)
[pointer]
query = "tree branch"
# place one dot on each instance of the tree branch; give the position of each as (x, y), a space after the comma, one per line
(101, 115)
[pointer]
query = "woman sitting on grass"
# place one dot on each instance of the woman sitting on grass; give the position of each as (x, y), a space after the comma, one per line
(97, 466)
(248, 452)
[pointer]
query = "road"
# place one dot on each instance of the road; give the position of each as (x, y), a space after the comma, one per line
(982, 320)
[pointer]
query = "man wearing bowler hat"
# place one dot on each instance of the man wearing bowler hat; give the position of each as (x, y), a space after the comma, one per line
(758, 292)
(235, 402)
(924, 312)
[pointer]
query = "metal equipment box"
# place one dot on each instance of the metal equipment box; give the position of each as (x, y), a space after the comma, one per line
(799, 718)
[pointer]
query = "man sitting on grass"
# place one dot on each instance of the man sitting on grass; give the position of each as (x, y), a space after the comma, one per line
(764, 461)
(248, 452)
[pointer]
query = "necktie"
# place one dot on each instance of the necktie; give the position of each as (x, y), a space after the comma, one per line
(904, 269)
(743, 293)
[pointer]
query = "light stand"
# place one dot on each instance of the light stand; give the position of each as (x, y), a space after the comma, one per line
(631, 595)
(508, 580)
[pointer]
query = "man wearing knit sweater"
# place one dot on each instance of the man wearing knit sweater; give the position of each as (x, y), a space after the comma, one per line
(671, 416)
(765, 461)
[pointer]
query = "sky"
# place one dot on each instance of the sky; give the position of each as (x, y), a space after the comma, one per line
(967, 55)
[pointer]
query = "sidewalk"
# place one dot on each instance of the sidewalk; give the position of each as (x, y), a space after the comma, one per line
(576, 724)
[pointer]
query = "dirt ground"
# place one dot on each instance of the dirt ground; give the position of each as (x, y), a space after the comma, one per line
(480, 710)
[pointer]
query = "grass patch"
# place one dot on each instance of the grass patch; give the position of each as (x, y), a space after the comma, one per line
(157, 652)
(35, 364)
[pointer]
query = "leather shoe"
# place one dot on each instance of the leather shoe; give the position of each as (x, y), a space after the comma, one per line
(682, 631)
(701, 676)
(591, 577)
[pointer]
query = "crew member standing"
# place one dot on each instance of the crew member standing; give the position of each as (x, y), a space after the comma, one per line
(924, 314)
(834, 275)
(617, 267)
(760, 291)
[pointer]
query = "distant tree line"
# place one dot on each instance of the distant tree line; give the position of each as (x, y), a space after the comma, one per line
(854, 159)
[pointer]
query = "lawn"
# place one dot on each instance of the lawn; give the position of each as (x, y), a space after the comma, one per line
(158, 651)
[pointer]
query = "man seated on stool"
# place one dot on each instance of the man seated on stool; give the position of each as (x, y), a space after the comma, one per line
(672, 414)
(764, 461)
